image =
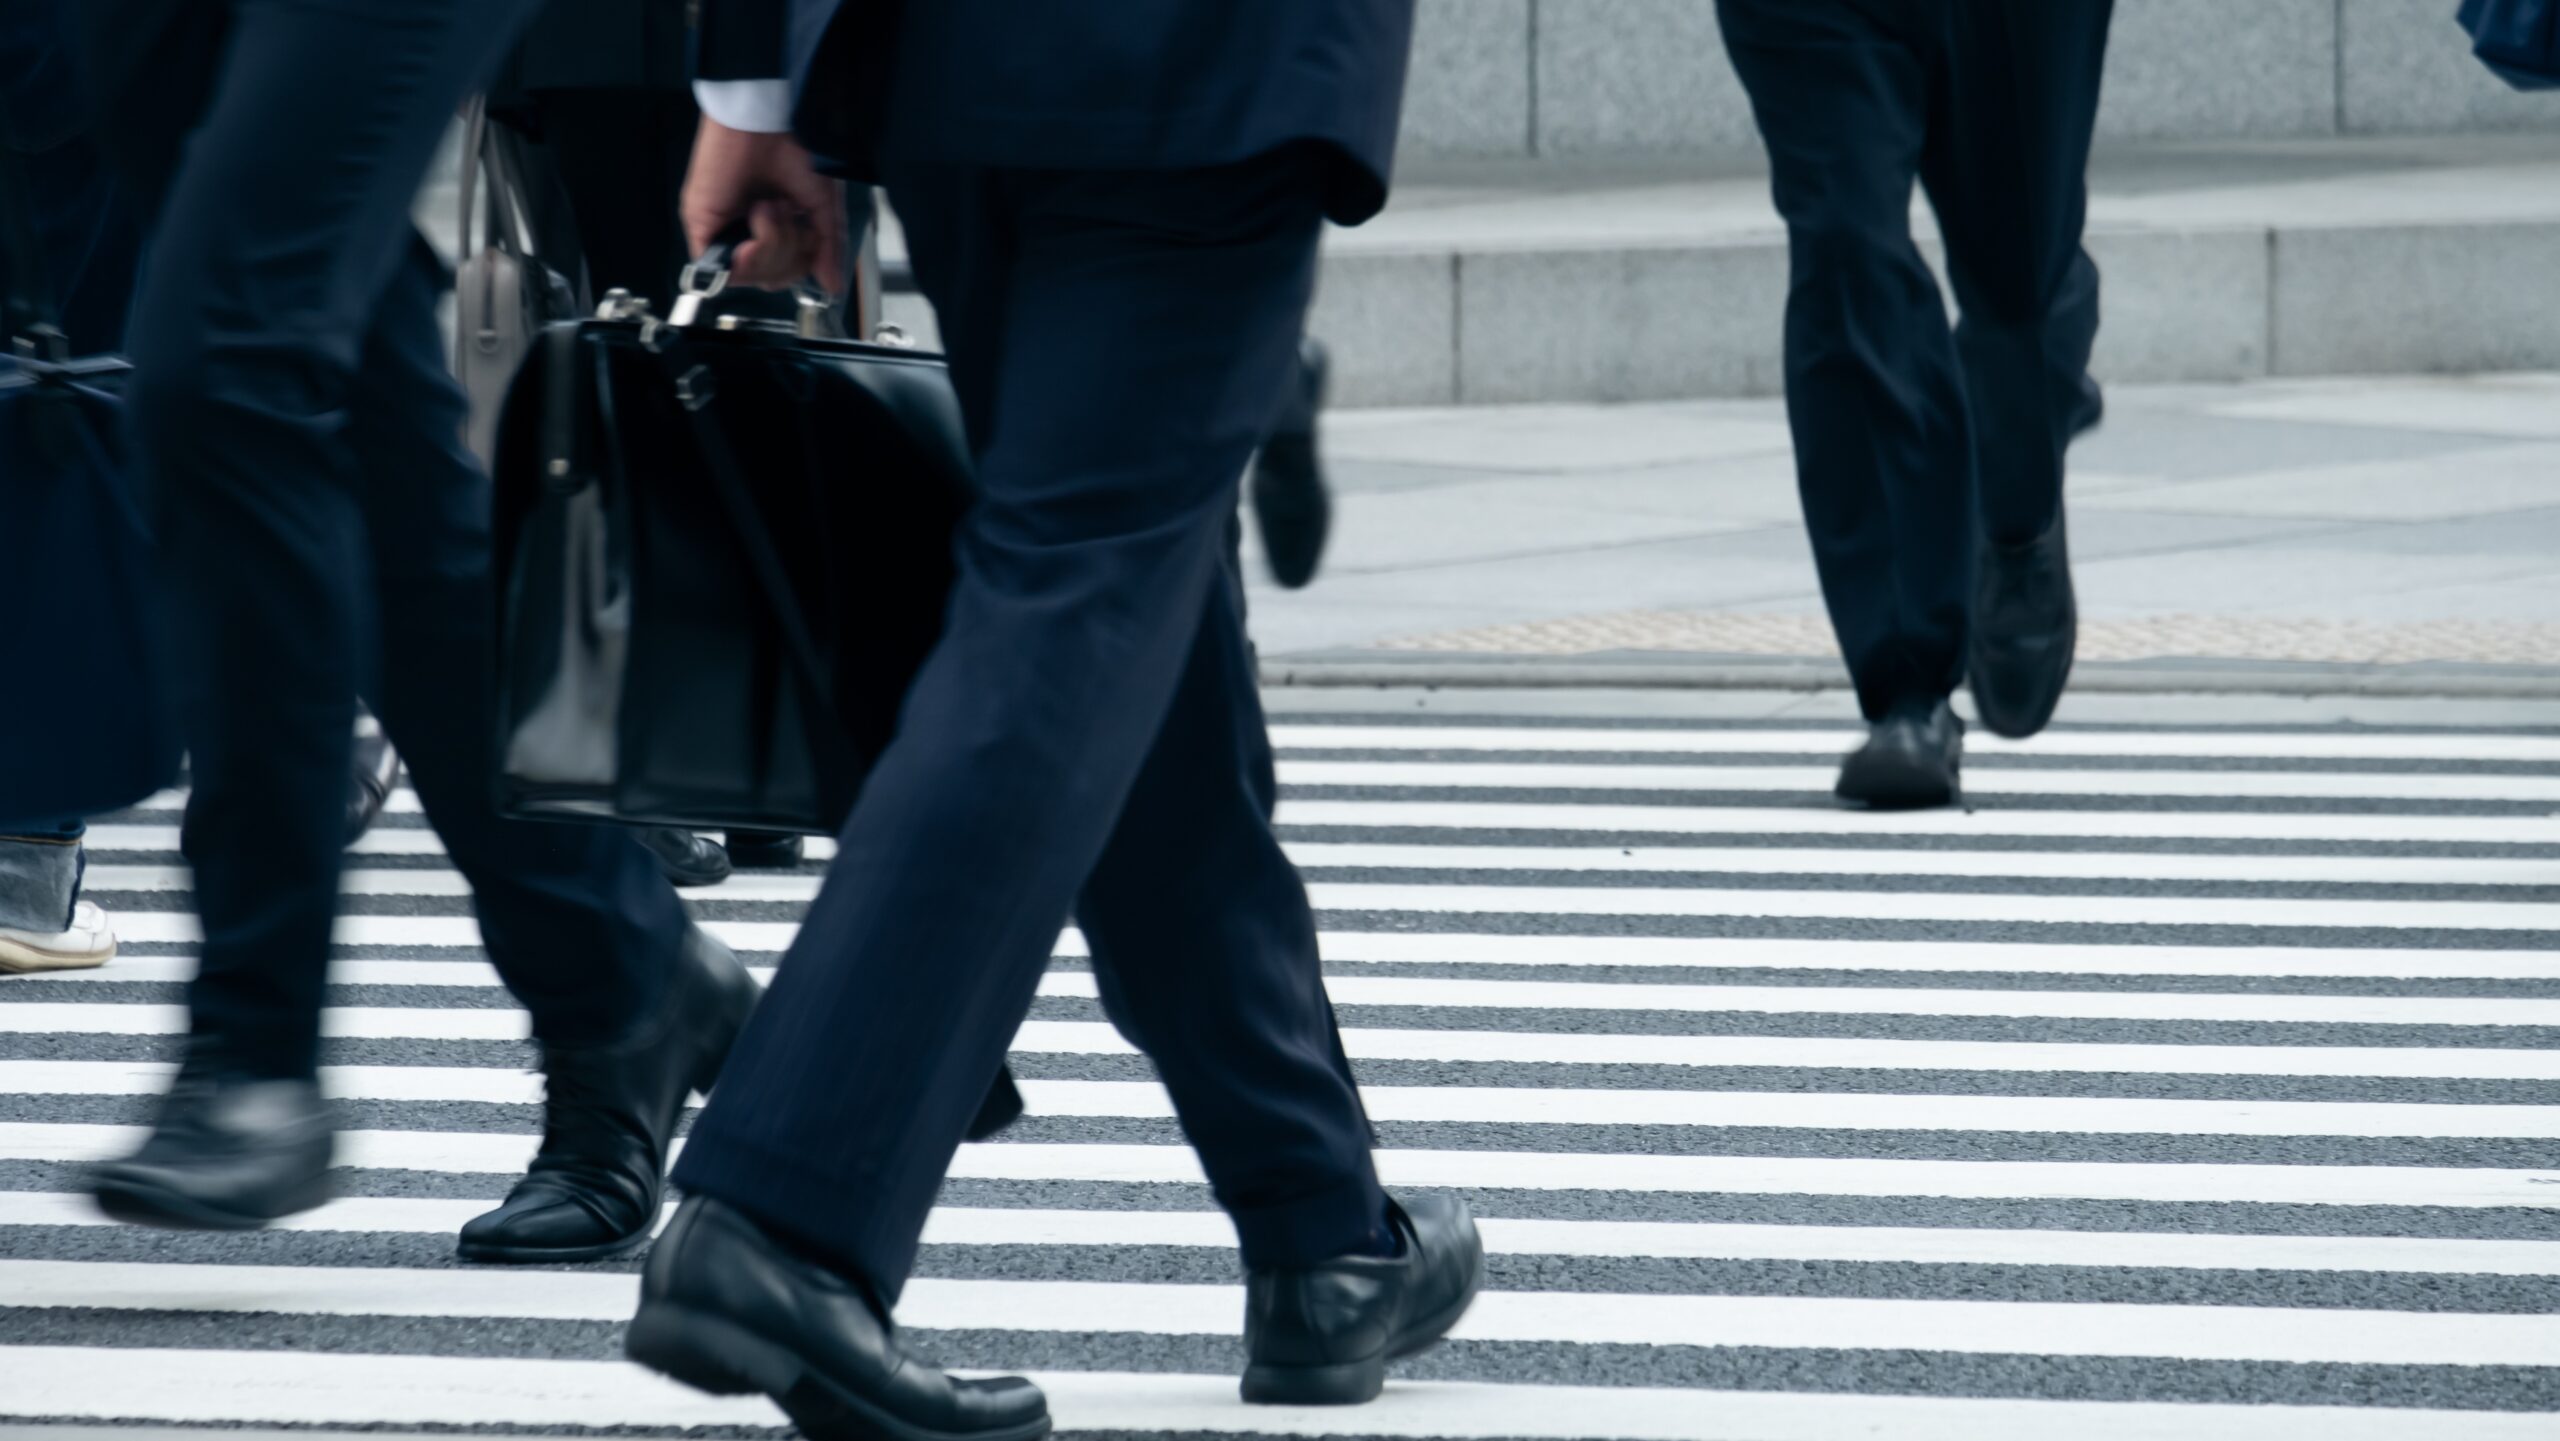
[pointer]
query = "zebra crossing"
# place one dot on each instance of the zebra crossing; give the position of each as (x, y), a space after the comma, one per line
(2200, 1081)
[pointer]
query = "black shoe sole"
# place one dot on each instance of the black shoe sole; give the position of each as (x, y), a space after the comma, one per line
(689, 878)
(1353, 1383)
(142, 1204)
(2027, 720)
(704, 864)
(1292, 510)
(1894, 784)
(373, 792)
(486, 1255)
(709, 1076)
(766, 854)
(1350, 1383)
(711, 1354)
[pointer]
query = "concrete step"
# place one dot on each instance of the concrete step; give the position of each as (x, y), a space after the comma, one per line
(1501, 282)
(1584, 79)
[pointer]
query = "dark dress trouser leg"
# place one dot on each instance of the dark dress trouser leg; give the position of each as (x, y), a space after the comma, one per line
(289, 398)
(1841, 90)
(1204, 951)
(578, 920)
(2007, 166)
(1116, 339)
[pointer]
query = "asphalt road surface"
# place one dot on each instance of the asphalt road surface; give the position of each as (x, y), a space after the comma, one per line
(2201, 1083)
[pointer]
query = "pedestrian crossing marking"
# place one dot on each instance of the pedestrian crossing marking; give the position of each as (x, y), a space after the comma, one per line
(2158, 1081)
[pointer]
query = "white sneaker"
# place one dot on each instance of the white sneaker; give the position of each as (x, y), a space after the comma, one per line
(88, 943)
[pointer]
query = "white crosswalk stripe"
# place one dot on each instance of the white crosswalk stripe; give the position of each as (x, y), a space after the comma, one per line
(2224, 785)
(1521, 1105)
(1704, 953)
(1096, 1038)
(2204, 1333)
(1987, 822)
(1598, 901)
(1027, 1226)
(1651, 860)
(1837, 740)
(375, 1390)
(1499, 995)
(487, 1153)
(2202, 1083)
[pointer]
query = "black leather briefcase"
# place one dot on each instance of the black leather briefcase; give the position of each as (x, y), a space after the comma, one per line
(723, 548)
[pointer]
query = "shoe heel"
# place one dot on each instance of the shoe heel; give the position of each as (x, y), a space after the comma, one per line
(716, 1059)
(709, 1354)
(1347, 1384)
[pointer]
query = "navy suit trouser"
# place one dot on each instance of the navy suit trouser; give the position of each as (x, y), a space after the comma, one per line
(1913, 440)
(1086, 738)
(324, 532)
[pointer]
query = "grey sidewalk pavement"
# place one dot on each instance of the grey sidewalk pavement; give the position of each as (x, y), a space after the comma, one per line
(2375, 534)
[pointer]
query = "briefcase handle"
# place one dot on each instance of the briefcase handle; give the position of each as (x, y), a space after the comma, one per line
(507, 228)
(707, 275)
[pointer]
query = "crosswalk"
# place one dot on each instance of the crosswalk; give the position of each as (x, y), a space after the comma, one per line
(2200, 1082)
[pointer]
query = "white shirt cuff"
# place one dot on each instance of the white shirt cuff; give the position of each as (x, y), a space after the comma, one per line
(760, 105)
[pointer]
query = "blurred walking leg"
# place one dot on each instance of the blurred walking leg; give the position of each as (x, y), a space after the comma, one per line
(292, 409)
(1843, 90)
(276, 245)
(2006, 168)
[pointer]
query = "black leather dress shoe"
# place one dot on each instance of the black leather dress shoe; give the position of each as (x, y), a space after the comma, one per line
(1912, 759)
(764, 850)
(1323, 1335)
(684, 858)
(377, 770)
(608, 1117)
(728, 1308)
(2025, 627)
(1001, 1107)
(1290, 504)
(226, 1153)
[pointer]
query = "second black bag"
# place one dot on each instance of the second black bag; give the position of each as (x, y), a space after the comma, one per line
(84, 618)
(723, 549)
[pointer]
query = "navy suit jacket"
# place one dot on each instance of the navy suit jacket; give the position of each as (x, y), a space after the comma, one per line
(1080, 84)
(596, 45)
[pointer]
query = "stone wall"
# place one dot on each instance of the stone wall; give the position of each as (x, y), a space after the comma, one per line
(1648, 78)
